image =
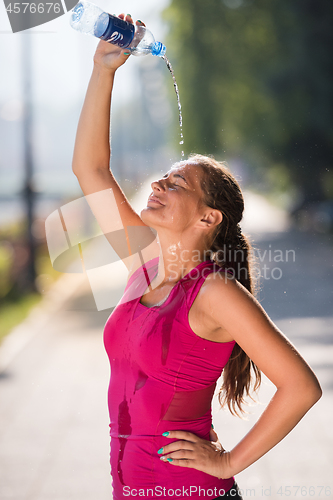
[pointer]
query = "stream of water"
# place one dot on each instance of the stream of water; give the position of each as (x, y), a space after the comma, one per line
(170, 68)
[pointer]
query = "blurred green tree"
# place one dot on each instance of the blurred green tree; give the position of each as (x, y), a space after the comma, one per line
(256, 81)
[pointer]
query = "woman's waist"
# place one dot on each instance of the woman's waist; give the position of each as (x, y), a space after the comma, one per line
(137, 465)
(142, 429)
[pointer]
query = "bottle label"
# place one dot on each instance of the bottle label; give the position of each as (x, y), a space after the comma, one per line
(118, 32)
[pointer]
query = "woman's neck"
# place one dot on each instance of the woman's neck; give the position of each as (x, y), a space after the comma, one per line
(179, 257)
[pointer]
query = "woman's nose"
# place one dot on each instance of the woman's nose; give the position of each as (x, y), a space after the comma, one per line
(157, 185)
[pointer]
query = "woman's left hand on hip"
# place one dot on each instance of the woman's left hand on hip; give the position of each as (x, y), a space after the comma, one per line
(192, 451)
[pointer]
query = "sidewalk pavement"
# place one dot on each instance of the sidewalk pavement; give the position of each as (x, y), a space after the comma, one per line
(54, 440)
(54, 373)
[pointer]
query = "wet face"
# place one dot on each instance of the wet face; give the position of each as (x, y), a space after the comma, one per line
(176, 200)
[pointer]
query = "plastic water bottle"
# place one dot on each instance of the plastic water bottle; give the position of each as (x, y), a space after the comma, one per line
(90, 19)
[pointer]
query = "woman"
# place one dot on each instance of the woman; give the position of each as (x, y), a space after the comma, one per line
(182, 319)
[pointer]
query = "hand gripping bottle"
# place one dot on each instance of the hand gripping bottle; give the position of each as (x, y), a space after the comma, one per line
(90, 19)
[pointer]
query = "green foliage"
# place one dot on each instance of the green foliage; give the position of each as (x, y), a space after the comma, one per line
(6, 259)
(15, 302)
(256, 82)
(13, 312)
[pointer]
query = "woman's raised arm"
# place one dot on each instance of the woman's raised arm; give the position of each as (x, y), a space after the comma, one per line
(92, 150)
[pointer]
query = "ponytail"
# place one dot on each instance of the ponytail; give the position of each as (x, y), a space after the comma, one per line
(239, 372)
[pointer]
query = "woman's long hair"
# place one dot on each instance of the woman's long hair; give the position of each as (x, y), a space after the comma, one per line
(231, 250)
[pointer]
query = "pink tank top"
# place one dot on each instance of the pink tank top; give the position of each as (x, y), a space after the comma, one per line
(163, 378)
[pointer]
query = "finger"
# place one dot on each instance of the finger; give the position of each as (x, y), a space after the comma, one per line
(176, 446)
(126, 53)
(129, 18)
(182, 463)
(179, 454)
(140, 23)
(121, 16)
(184, 435)
(212, 435)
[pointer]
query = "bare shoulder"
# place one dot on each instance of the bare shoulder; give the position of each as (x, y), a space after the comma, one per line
(227, 309)
(224, 282)
(223, 287)
(202, 319)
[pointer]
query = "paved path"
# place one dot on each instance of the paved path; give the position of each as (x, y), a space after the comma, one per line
(53, 420)
(54, 441)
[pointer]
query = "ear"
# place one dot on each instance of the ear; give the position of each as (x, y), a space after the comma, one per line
(211, 218)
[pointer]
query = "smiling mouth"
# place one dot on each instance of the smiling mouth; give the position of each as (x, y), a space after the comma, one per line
(153, 199)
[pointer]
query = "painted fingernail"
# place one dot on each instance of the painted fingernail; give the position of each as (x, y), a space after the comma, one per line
(160, 451)
(140, 21)
(212, 426)
(127, 53)
(165, 433)
(129, 15)
(169, 459)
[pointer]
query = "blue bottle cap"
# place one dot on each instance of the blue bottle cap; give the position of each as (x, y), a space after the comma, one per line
(158, 49)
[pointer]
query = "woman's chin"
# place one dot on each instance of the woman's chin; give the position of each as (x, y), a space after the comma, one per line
(147, 216)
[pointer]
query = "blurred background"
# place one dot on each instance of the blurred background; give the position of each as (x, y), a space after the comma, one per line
(256, 87)
(256, 90)
(46, 71)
